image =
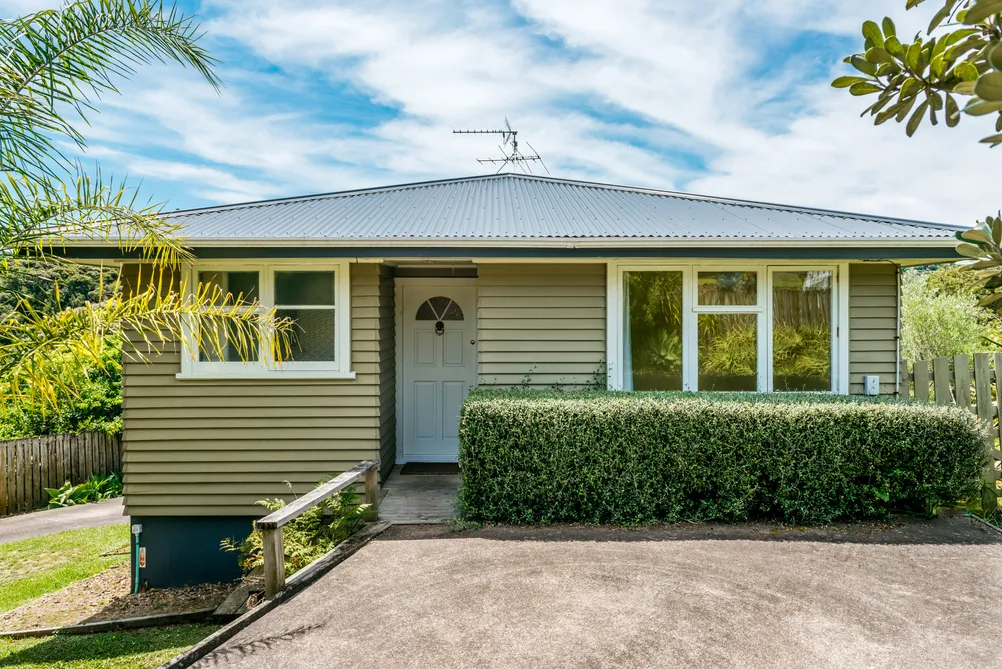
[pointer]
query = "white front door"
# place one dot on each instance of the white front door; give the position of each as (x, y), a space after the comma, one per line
(439, 367)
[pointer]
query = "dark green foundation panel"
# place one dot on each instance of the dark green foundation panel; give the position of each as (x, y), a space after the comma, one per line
(184, 550)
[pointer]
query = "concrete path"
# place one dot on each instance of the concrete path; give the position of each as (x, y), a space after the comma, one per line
(41, 523)
(921, 595)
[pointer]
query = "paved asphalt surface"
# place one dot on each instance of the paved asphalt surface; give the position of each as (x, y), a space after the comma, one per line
(913, 594)
(41, 523)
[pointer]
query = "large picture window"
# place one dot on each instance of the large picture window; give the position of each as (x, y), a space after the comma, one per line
(315, 299)
(728, 329)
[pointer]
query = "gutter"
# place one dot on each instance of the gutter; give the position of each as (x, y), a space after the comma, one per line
(562, 243)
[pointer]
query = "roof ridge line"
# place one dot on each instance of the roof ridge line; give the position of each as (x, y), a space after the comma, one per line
(718, 201)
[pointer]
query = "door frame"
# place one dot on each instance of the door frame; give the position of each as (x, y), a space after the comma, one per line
(398, 330)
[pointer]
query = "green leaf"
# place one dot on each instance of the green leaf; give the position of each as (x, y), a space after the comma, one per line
(889, 29)
(995, 57)
(871, 31)
(990, 300)
(952, 112)
(964, 88)
(975, 235)
(864, 88)
(989, 87)
(966, 71)
(978, 107)
(846, 82)
(997, 231)
(914, 56)
(877, 55)
(970, 250)
(893, 47)
(913, 122)
(994, 140)
(910, 87)
(863, 65)
(982, 10)
(906, 107)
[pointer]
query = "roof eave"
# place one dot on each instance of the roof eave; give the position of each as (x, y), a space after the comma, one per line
(584, 242)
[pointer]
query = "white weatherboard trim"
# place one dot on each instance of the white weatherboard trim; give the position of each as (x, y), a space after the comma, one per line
(338, 369)
(616, 314)
(398, 349)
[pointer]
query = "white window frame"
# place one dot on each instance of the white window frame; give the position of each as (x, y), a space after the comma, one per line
(339, 368)
(615, 322)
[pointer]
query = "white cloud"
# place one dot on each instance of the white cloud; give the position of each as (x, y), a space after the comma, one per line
(668, 80)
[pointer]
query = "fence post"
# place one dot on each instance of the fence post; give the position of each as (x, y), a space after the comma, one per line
(941, 380)
(962, 378)
(372, 490)
(3, 479)
(983, 385)
(921, 374)
(274, 562)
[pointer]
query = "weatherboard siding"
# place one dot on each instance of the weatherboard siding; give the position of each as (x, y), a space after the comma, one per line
(873, 325)
(216, 447)
(541, 324)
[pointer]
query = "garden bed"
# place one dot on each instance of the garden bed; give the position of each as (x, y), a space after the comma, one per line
(106, 596)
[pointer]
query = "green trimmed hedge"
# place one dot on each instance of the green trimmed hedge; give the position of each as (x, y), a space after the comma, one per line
(627, 458)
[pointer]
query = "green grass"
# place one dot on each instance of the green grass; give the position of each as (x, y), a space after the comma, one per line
(138, 649)
(33, 567)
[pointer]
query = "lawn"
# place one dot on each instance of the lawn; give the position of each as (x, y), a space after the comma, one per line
(34, 567)
(137, 649)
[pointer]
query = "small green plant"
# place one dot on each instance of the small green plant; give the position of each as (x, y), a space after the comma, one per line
(94, 489)
(308, 537)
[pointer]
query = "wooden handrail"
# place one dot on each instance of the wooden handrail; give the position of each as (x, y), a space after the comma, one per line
(271, 525)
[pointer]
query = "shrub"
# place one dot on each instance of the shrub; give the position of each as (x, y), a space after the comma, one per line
(94, 403)
(309, 536)
(626, 458)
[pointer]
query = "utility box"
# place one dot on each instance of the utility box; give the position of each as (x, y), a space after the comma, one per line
(871, 385)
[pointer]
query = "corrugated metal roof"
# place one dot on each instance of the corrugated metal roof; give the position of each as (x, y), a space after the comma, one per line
(513, 207)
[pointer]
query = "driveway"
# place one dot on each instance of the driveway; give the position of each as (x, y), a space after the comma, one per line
(917, 594)
(41, 523)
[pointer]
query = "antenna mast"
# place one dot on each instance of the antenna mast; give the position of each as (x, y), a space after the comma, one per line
(516, 158)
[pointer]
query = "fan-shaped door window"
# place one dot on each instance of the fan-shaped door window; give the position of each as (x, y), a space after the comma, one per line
(439, 308)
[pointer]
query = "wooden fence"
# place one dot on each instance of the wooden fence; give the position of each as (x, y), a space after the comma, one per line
(970, 382)
(29, 466)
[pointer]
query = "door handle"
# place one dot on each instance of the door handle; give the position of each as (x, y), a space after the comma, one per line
(472, 342)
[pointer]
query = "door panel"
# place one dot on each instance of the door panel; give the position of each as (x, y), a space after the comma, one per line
(453, 394)
(439, 365)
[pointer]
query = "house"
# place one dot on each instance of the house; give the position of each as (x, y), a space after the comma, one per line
(408, 296)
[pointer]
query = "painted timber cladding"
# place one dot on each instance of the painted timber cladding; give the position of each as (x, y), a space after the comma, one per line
(873, 325)
(213, 448)
(541, 324)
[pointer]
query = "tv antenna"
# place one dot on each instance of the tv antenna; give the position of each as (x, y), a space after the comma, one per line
(513, 156)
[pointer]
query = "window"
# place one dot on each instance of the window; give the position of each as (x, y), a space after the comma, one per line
(802, 330)
(439, 309)
(314, 298)
(653, 330)
(727, 330)
(718, 328)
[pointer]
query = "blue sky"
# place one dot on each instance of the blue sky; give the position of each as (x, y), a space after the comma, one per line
(732, 100)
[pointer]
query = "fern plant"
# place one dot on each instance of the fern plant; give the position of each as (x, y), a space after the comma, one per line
(309, 536)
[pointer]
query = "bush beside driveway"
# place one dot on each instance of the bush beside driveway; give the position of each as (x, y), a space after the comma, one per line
(881, 595)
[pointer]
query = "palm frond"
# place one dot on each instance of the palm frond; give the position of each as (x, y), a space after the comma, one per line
(146, 324)
(58, 60)
(39, 216)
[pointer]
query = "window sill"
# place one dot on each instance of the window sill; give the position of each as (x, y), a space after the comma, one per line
(276, 375)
